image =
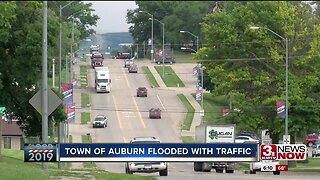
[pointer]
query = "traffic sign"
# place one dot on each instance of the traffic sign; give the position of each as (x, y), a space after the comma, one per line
(53, 101)
(286, 139)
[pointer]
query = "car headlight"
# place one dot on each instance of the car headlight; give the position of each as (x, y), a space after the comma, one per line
(131, 164)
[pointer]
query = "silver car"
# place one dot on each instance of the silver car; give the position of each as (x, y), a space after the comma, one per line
(100, 121)
(146, 167)
(316, 150)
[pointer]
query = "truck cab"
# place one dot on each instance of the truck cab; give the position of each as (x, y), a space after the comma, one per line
(102, 79)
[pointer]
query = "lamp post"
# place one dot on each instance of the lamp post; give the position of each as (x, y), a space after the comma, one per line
(202, 110)
(163, 53)
(53, 73)
(286, 81)
(193, 36)
(152, 56)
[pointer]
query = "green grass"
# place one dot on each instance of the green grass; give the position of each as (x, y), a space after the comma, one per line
(84, 100)
(151, 78)
(187, 139)
(70, 138)
(169, 77)
(85, 117)
(102, 175)
(84, 75)
(190, 114)
(213, 108)
(184, 57)
(87, 139)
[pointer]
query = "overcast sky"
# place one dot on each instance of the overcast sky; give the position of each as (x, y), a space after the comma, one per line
(112, 15)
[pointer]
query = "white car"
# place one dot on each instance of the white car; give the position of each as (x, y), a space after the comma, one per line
(100, 121)
(316, 150)
(146, 167)
(244, 139)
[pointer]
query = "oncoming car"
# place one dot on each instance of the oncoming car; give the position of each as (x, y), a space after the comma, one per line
(100, 121)
(146, 167)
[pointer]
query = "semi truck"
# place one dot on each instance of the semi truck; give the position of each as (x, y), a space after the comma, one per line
(94, 48)
(102, 79)
(97, 60)
(209, 133)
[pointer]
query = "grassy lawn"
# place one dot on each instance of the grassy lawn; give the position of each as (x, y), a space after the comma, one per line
(13, 167)
(84, 99)
(151, 78)
(169, 77)
(184, 57)
(187, 139)
(213, 107)
(85, 117)
(87, 139)
(190, 114)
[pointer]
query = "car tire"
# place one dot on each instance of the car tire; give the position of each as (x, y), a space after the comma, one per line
(253, 171)
(310, 144)
(276, 172)
(229, 171)
(163, 172)
(219, 170)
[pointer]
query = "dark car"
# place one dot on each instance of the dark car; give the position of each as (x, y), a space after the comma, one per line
(133, 68)
(100, 121)
(310, 139)
(167, 60)
(155, 113)
(142, 92)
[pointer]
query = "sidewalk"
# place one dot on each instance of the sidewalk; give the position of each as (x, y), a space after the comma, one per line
(187, 78)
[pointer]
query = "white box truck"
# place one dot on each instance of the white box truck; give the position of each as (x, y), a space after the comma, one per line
(102, 79)
(215, 134)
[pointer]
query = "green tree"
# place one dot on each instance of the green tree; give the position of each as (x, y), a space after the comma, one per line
(250, 64)
(21, 54)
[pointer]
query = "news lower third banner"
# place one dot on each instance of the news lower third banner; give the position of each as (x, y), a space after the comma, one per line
(167, 152)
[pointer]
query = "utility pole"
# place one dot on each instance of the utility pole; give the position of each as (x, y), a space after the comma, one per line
(53, 73)
(45, 78)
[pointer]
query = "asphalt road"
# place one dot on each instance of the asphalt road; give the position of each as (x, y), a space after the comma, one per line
(128, 118)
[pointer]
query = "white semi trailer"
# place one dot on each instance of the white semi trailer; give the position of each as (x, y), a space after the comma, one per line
(102, 79)
(215, 134)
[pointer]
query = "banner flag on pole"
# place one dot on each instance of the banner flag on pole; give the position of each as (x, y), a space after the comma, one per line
(281, 109)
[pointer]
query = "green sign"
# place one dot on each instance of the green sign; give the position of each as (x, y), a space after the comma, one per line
(213, 134)
(2, 109)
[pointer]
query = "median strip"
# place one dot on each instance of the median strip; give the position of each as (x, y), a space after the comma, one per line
(85, 117)
(84, 76)
(152, 80)
(87, 139)
(169, 77)
(85, 100)
(190, 114)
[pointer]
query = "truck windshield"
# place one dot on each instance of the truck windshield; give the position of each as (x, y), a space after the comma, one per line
(102, 80)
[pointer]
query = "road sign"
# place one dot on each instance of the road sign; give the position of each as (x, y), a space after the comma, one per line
(53, 101)
(286, 139)
(198, 85)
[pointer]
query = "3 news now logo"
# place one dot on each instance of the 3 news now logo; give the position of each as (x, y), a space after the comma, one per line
(283, 152)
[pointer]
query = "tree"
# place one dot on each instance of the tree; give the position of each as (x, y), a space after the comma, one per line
(250, 64)
(21, 54)
(80, 11)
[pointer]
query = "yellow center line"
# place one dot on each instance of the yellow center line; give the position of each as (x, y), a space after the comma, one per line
(125, 76)
(117, 111)
(138, 111)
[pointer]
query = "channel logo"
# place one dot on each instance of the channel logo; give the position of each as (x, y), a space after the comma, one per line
(283, 152)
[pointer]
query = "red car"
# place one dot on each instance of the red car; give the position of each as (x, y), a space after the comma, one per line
(155, 113)
(310, 139)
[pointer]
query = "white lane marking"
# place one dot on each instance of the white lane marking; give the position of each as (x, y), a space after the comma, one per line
(129, 116)
(161, 103)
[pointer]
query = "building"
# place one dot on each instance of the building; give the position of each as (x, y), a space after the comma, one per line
(12, 135)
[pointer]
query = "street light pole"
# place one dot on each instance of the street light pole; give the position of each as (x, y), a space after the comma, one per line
(197, 38)
(152, 49)
(53, 73)
(163, 52)
(286, 74)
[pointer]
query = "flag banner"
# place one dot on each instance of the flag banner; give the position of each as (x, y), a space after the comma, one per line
(198, 95)
(74, 83)
(225, 111)
(281, 109)
(67, 91)
(71, 114)
(195, 71)
(149, 41)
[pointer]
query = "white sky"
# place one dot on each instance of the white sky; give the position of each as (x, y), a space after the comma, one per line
(112, 15)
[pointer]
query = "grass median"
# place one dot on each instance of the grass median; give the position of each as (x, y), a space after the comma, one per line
(87, 139)
(84, 100)
(169, 77)
(85, 117)
(187, 139)
(190, 114)
(152, 80)
(84, 76)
